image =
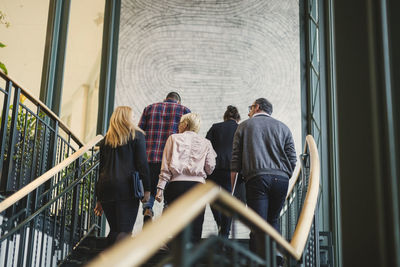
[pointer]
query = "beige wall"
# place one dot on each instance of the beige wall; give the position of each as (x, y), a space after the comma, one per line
(23, 56)
(25, 40)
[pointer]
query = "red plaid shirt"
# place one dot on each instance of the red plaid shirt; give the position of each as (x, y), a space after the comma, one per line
(159, 121)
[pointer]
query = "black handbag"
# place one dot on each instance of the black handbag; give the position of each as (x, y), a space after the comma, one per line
(138, 191)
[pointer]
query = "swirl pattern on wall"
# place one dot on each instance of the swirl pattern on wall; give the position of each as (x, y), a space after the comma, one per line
(214, 53)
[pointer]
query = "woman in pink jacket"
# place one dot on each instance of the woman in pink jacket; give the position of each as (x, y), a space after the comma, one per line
(187, 160)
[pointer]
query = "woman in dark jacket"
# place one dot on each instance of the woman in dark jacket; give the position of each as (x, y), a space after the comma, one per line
(221, 137)
(122, 152)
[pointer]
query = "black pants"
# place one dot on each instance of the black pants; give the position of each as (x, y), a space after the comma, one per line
(176, 189)
(223, 179)
(154, 169)
(121, 216)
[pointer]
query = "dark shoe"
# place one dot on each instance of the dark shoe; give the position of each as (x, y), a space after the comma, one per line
(147, 216)
(280, 261)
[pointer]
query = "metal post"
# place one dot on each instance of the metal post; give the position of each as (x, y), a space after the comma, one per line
(108, 64)
(54, 56)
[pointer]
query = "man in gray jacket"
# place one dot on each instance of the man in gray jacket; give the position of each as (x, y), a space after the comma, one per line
(264, 152)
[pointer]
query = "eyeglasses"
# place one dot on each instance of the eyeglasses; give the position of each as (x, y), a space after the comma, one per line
(251, 107)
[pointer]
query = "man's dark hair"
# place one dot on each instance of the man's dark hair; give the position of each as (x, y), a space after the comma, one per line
(174, 96)
(264, 105)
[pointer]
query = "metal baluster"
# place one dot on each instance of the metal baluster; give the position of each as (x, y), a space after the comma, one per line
(23, 159)
(11, 145)
(21, 251)
(75, 202)
(3, 132)
(180, 248)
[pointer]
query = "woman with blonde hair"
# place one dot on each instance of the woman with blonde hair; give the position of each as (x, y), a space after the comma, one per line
(187, 160)
(122, 153)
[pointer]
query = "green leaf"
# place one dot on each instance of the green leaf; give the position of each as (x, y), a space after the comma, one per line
(2, 45)
(3, 68)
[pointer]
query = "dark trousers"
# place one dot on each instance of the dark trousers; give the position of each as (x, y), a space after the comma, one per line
(265, 195)
(223, 179)
(154, 169)
(176, 189)
(121, 216)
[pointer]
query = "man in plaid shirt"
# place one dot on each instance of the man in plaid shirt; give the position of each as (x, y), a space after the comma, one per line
(159, 121)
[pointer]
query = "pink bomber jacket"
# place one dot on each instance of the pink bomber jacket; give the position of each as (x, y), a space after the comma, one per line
(187, 157)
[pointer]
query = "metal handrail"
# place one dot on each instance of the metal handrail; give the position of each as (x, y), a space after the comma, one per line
(11, 200)
(32, 138)
(134, 252)
(45, 108)
(52, 213)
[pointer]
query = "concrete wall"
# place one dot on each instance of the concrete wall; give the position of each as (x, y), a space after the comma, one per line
(214, 53)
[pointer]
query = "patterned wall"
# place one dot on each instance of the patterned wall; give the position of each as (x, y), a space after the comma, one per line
(214, 53)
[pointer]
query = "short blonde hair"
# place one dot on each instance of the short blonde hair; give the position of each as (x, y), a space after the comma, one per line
(121, 127)
(192, 121)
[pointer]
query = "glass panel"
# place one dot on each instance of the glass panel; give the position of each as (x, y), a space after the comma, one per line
(315, 53)
(316, 104)
(312, 29)
(82, 67)
(314, 10)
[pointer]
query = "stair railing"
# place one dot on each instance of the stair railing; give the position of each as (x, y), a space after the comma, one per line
(176, 223)
(40, 224)
(32, 138)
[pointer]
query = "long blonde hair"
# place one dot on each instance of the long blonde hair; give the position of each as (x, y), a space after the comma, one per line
(121, 127)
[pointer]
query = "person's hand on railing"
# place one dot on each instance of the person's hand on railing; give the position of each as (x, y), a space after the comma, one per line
(146, 197)
(160, 194)
(98, 210)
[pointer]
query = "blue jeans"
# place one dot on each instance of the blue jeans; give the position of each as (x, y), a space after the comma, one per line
(266, 194)
(149, 204)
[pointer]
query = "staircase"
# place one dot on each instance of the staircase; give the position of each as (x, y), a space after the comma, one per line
(32, 138)
(91, 246)
(84, 251)
(47, 198)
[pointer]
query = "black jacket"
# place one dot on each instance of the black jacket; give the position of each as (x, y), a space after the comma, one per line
(221, 137)
(117, 166)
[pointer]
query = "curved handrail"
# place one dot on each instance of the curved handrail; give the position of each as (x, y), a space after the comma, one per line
(304, 224)
(11, 200)
(36, 101)
(133, 252)
(293, 180)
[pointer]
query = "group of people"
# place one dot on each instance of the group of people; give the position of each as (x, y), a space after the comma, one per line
(171, 158)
